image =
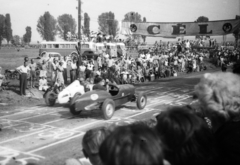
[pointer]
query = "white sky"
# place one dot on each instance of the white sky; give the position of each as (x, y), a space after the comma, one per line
(26, 12)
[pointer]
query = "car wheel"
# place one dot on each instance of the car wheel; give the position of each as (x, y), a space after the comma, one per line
(108, 109)
(73, 109)
(74, 98)
(141, 101)
(50, 98)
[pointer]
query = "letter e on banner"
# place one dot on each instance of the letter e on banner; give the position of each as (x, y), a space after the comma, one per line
(179, 29)
(153, 29)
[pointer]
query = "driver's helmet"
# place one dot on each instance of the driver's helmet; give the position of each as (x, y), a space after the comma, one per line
(81, 79)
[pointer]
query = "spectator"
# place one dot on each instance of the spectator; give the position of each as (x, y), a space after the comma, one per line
(186, 137)
(133, 144)
(219, 96)
(24, 70)
(33, 75)
(91, 143)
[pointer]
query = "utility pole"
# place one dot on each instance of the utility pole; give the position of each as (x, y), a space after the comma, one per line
(79, 33)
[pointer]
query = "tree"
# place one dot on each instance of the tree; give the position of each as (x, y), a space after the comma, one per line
(16, 40)
(108, 24)
(86, 28)
(47, 27)
(202, 19)
(66, 25)
(132, 17)
(8, 28)
(144, 37)
(2, 28)
(27, 36)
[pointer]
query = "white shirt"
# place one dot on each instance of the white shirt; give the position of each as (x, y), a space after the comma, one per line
(82, 68)
(64, 64)
(23, 69)
(74, 65)
(90, 66)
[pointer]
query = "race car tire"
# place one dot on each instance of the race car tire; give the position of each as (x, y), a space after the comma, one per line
(73, 109)
(141, 101)
(108, 109)
(50, 98)
(73, 99)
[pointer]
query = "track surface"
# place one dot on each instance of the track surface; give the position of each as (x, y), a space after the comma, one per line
(50, 135)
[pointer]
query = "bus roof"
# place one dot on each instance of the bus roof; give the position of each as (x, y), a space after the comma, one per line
(58, 42)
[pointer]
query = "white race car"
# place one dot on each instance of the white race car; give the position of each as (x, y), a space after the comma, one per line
(51, 96)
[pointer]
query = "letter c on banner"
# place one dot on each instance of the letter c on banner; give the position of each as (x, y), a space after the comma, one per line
(153, 29)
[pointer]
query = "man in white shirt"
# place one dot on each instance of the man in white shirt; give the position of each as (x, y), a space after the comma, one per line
(24, 70)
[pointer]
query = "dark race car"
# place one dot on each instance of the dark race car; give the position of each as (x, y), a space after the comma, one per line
(107, 100)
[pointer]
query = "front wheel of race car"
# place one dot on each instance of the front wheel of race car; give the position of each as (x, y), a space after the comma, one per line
(108, 109)
(141, 101)
(50, 98)
(73, 109)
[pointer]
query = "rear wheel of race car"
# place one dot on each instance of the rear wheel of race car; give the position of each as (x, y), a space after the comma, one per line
(73, 109)
(141, 101)
(50, 98)
(108, 109)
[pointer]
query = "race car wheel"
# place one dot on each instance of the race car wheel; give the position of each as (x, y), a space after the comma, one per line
(141, 101)
(73, 110)
(108, 109)
(50, 98)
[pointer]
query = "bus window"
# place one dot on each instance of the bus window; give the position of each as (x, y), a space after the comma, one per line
(108, 47)
(85, 45)
(61, 45)
(43, 46)
(49, 45)
(72, 46)
(56, 46)
(67, 46)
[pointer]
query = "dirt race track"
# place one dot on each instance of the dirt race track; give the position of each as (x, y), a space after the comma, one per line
(50, 135)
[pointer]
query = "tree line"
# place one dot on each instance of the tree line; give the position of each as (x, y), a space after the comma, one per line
(6, 32)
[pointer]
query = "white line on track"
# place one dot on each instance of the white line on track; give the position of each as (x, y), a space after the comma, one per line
(18, 137)
(26, 153)
(58, 142)
(37, 116)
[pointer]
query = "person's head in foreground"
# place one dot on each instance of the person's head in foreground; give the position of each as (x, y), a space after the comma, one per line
(219, 96)
(186, 137)
(134, 144)
(91, 143)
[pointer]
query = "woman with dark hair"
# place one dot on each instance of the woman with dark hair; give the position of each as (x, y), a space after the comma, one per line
(91, 143)
(135, 144)
(187, 138)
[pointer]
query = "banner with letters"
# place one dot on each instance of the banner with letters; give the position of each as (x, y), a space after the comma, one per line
(175, 29)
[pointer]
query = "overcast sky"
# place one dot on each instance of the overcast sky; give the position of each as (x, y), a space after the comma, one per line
(27, 12)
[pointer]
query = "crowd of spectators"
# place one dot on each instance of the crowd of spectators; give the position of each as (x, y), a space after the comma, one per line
(207, 134)
(145, 65)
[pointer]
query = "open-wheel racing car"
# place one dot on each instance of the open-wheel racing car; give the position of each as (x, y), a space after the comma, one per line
(106, 100)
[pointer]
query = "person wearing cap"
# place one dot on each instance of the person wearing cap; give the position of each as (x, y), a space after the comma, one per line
(23, 70)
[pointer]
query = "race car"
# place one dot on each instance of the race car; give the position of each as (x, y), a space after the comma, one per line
(63, 97)
(107, 100)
